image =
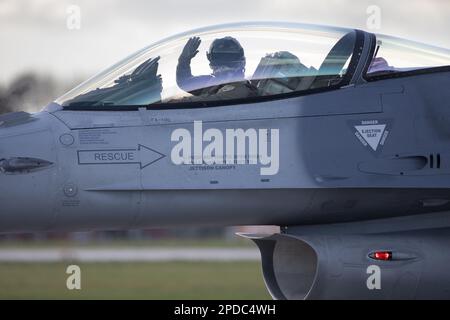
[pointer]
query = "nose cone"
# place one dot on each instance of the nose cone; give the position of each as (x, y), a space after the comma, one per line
(27, 174)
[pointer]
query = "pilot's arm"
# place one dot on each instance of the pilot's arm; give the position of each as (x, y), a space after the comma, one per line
(185, 79)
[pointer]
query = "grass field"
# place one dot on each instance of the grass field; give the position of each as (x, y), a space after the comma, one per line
(160, 280)
(179, 243)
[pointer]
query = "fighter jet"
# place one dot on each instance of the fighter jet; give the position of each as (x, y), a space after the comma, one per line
(339, 136)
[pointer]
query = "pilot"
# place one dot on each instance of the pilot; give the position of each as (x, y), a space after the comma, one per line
(380, 64)
(227, 61)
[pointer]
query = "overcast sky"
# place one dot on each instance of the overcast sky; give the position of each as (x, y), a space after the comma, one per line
(34, 34)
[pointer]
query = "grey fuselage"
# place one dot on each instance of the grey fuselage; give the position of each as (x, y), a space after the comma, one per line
(326, 173)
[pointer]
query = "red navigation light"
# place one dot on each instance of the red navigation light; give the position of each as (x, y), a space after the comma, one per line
(381, 255)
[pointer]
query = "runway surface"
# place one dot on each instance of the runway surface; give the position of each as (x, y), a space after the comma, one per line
(129, 254)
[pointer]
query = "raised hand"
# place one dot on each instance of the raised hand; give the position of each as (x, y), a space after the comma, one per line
(190, 50)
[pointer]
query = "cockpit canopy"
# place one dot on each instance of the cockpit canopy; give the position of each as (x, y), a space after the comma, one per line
(399, 56)
(280, 58)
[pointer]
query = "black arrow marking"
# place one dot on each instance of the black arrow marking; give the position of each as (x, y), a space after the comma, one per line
(142, 155)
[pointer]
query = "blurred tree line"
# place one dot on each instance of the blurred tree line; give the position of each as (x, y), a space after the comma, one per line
(31, 92)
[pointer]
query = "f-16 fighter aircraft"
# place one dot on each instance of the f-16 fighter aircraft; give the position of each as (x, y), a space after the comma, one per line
(339, 136)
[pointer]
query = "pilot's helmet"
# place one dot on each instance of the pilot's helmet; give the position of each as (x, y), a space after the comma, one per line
(226, 52)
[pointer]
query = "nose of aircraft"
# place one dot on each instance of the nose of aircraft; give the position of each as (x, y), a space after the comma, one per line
(27, 173)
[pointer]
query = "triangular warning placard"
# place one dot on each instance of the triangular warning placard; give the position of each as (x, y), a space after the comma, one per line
(372, 134)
